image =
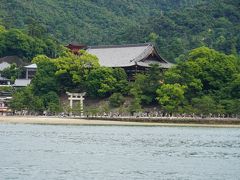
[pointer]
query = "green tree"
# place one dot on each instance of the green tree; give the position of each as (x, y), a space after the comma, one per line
(231, 106)
(122, 83)
(136, 92)
(145, 85)
(2, 40)
(13, 72)
(45, 79)
(73, 70)
(235, 87)
(116, 100)
(137, 87)
(204, 71)
(101, 82)
(186, 73)
(171, 96)
(18, 43)
(153, 81)
(217, 68)
(135, 106)
(51, 102)
(207, 105)
(25, 99)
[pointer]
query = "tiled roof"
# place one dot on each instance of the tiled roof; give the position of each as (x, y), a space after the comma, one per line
(125, 55)
(117, 56)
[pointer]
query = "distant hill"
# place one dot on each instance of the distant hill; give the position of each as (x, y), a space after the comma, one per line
(176, 26)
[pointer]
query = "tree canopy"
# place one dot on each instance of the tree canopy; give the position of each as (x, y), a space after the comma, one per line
(16, 42)
(210, 80)
(174, 26)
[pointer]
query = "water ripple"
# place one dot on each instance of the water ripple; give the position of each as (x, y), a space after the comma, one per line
(103, 152)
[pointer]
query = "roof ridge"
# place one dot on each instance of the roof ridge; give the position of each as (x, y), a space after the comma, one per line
(119, 46)
(143, 54)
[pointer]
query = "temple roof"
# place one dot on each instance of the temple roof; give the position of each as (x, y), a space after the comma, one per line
(127, 55)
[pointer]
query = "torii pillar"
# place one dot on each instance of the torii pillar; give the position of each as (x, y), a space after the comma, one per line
(76, 97)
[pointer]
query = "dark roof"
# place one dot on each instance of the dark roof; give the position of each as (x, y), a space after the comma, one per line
(126, 55)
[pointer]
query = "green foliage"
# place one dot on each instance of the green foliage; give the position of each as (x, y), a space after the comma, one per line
(15, 42)
(154, 79)
(6, 88)
(122, 84)
(91, 111)
(104, 108)
(170, 96)
(205, 71)
(24, 99)
(235, 86)
(184, 73)
(116, 100)
(45, 79)
(12, 72)
(77, 109)
(77, 73)
(175, 27)
(51, 102)
(135, 105)
(211, 79)
(217, 69)
(73, 70)
(206, 105)
(138, 87)
(231, 106)
(100, 82)
(145, 85)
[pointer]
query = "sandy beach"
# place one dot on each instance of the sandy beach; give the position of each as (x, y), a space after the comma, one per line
(74, 121)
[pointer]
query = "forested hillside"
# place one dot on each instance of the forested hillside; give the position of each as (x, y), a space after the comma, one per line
(176, 26)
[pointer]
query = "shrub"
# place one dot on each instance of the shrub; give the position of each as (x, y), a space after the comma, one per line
(116, 100)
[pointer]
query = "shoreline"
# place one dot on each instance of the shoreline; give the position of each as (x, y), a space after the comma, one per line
(42, 120)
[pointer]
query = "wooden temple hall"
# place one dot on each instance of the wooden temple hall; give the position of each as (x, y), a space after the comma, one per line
(132, 58)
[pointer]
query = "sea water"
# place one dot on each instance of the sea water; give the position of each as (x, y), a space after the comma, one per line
(118, 152)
